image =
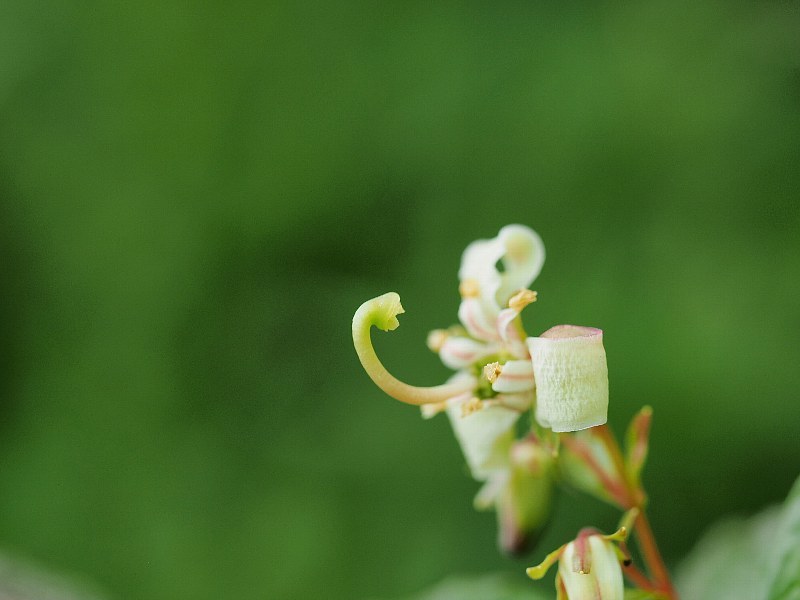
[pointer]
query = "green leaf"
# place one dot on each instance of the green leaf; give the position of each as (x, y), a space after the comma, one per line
(786, 583)
(742, 559)
(494, 586)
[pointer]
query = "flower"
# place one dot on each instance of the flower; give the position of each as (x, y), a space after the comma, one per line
(496, 365)
(489, 346)
(589, 567)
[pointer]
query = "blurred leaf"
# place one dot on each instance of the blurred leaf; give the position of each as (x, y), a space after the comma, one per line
(20, 580)
(485, 587)
(748, 558)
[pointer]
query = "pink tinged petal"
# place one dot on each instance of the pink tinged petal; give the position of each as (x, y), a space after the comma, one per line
(461, 352)
(485, 436)
(478, 320)
(505, 325)
(516, 376)
(569, 366)
(519, 402)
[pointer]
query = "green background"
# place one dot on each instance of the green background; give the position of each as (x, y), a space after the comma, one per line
(195, 197)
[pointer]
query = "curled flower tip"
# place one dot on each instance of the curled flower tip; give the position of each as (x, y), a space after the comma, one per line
(522, 299)
(492, 371)
(382, 313)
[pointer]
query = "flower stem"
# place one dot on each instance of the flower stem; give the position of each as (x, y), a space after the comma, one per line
(633, 497)
(652, 556)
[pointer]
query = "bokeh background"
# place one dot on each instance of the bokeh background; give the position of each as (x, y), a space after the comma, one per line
(195, 197)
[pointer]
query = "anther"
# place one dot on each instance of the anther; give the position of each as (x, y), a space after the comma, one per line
(492, 371)
(469, 288)
(522, 299)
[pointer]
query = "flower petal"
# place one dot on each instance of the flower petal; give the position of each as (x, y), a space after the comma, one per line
(485, 436)
(515, 376)
(569, 365)
(490, 491)
(522, 253)
(478, 264)
(523, 259)
(460, 352)
(479, 319)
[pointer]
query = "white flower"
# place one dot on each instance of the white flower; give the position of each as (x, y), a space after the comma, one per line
(484, 419)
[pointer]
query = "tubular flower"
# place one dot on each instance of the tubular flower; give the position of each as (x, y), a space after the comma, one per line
(569, 363)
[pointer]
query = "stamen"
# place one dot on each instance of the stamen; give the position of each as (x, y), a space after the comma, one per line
(436, 340)
(522, 299)
(492, 371)
(469, 288)
(382, 313)
(472, 405)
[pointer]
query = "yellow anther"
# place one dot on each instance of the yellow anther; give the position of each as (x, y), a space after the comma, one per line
(472, 405)
(521, 299)
(469, 288)
(436, 339)
(492, 371)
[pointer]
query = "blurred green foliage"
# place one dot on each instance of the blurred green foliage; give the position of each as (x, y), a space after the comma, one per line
(195, 197)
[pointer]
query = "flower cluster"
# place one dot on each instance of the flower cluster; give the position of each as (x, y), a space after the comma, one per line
(529, 412)
(501, 374)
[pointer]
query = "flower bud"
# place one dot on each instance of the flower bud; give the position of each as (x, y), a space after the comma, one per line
(569, 367)
(524, 506)
(590, 568)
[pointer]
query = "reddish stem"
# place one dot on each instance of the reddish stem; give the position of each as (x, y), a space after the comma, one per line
(652, 556)
(616, 489)
(628, 496)
(633, 573)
